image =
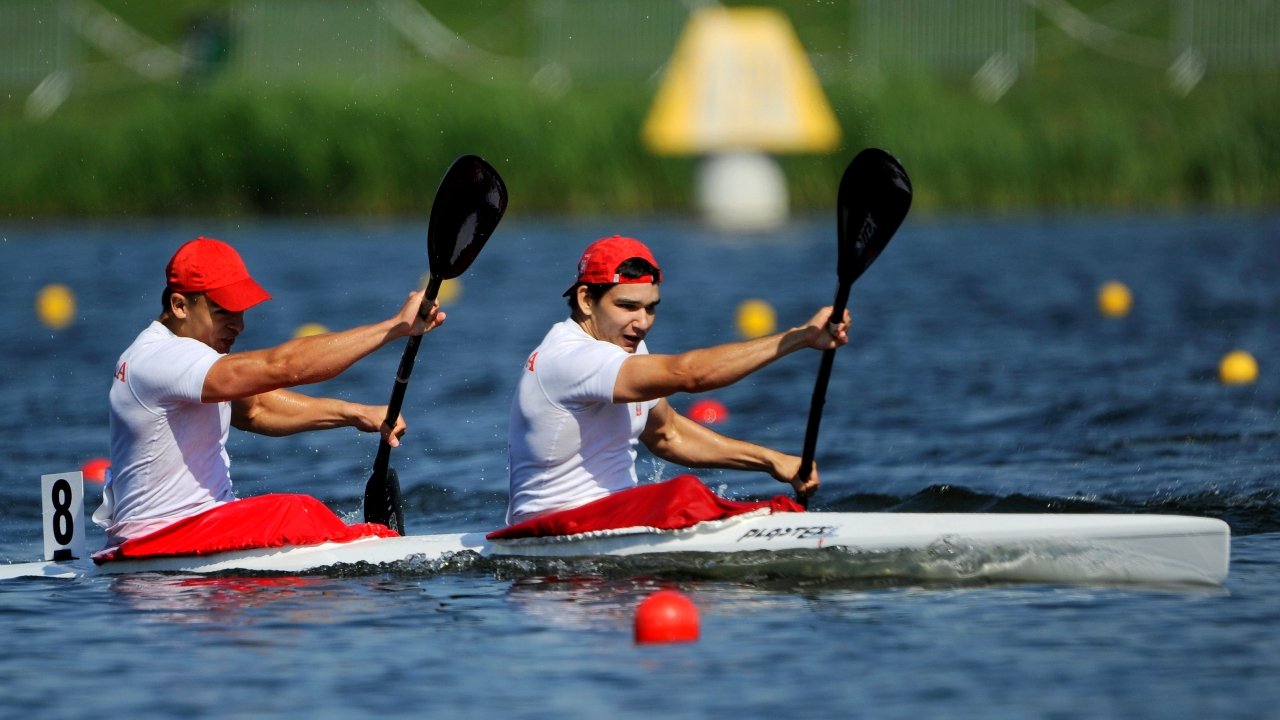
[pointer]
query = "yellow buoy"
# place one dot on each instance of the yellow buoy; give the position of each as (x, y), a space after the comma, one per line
(1114, 299)
(309, 329)
(56, 306)
(450, 290)
(1238, 368)
(755, 318)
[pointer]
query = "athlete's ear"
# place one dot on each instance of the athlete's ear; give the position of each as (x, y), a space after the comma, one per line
(584, 300)
(180, 305)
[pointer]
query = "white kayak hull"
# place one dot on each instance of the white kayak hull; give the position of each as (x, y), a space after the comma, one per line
(1049, 548)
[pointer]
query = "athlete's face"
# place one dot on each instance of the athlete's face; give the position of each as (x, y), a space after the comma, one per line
(204, 320)
(624, 314)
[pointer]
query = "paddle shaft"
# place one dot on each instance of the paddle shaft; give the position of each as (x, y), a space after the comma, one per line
(403, 372)
(820, 388)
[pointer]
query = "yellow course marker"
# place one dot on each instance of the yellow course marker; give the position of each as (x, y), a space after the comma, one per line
(1114, 299)
(309, 329)
(755, 318)
(450, 289)
(1238, 368)
(56, 306)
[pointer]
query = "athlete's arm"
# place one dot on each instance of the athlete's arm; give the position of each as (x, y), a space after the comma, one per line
(675, 438)
(649, 377)
(307, 360)
(284, 412)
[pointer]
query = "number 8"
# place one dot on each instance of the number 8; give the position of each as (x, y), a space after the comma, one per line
(64, 525)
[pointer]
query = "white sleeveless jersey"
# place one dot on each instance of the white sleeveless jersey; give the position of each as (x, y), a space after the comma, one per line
(168, 449)
(568, 442)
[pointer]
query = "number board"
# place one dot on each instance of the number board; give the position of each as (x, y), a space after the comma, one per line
(63, 502)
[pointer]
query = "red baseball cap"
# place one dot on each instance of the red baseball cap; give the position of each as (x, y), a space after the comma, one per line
(600, 262)
(214, 268)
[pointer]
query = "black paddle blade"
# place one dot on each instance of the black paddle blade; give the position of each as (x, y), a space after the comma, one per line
(875, 194)
(873, 200)
(382, 502)
(468, 205)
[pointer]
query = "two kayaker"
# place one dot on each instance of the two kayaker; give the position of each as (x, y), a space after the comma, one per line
(178, 388)
(592, 391)
(587, 396)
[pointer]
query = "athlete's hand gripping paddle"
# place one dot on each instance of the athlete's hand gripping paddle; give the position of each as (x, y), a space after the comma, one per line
(874, 196)
(468, 205)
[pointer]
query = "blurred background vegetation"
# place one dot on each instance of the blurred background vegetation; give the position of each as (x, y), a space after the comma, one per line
(229, 107)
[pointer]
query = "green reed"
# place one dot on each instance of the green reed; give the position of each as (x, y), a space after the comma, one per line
(1053, 142)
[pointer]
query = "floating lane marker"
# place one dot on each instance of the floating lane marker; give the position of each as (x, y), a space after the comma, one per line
(56, 306)
(95, 470)
(309, 329)
(1238, 367)
(667, 616)
(1114, 299)
(755, 318)
(708, 411)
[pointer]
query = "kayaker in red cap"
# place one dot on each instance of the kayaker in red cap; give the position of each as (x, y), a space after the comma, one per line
(591, 391)
(178, 388)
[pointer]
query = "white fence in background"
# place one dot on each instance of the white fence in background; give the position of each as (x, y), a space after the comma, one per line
(1230, 35)
(574, 43)
(954, 37)
(591, 40)
(991, 41)
(35, 42)
(273, 41)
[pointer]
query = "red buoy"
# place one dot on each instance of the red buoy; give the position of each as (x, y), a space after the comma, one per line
(708, 411)
(95, 470)
(666, 616)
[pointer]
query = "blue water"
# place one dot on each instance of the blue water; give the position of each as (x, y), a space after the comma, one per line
(980, 377)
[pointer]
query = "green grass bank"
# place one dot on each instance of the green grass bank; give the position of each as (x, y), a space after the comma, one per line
(1054, 142)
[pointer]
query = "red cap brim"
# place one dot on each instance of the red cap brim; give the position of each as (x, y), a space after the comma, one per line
(238, 296)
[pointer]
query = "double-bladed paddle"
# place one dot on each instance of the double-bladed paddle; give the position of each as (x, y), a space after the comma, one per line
(468, 205)
(874, 196)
